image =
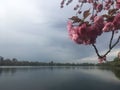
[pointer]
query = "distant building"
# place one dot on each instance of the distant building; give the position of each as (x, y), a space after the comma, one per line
(119, 55)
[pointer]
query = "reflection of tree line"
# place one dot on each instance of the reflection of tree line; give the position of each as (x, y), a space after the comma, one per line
(13, 70)
(115, 70)
(113, 66)
(7, 70)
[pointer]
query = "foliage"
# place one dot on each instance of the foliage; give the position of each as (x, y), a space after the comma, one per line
(15, 62)
(114, 63)
(101, 16)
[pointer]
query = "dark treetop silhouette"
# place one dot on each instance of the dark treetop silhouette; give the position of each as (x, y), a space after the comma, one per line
(101, 16)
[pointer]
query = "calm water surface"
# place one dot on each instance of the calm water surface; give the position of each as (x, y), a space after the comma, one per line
(59, 78)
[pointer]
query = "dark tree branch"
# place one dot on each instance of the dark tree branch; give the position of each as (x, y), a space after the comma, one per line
(96, 50)
(110, 44)
(116, 42)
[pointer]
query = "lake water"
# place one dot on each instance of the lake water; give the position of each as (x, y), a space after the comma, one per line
(59, 78)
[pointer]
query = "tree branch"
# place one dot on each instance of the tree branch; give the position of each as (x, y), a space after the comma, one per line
(116, 42)
(96, 50)
(110, 44)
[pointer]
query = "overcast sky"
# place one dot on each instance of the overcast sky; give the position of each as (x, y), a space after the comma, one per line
(35, 30)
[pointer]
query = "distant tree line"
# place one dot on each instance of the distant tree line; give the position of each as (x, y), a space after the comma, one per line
(15, 62)
(114, 63)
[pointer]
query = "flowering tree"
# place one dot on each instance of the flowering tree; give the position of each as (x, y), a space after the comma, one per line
(99, 17)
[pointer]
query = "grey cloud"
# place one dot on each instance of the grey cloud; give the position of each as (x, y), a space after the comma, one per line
(40, 34)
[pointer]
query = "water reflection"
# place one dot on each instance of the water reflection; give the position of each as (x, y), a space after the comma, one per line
(7, 70)
(116, 71)
(13, 69)
(59, 78)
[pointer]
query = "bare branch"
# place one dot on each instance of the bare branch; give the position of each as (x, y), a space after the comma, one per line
(96, 50)
(110, 44)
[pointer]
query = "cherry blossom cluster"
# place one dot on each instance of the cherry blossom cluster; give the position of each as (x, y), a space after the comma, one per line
(113, 24)
(101, 16)
(85, 34)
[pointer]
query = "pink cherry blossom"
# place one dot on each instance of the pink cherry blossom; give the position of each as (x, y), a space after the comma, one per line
(90, 1)
(104, 16)
(73, 33)
(116, 22)
(83, 34)
(108, 27)
(102, 59)
(69, 25)
(98, 19)
(118, 4)
(98, 24)
(99, 7)
(82, 29)
(118, 1)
